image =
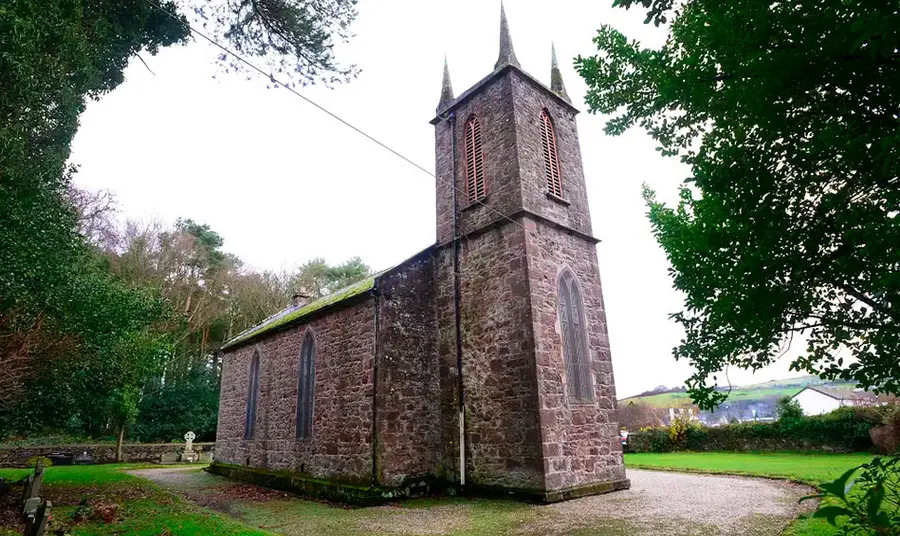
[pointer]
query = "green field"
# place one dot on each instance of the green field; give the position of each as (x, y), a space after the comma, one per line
(774, 389)
(807, 468)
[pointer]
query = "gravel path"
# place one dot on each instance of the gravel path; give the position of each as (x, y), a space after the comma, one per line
(684, 504)
(658, 503)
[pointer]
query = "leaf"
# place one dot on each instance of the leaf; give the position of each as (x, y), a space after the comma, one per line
(839, 487)
(831, 513)
(875, 499)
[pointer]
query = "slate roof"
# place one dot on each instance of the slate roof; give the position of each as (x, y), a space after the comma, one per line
(295, 313)
(840, 394)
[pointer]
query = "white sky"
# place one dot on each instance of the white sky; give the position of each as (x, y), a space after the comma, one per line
(282, 182)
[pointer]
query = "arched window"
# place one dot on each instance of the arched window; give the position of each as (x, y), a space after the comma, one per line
(575, 346)
(306, 384)
(252, 397)
(551, 157)
(474, 161)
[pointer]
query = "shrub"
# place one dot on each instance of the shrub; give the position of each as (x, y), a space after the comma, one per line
(869, 505)
(846, 429)
(788, 409)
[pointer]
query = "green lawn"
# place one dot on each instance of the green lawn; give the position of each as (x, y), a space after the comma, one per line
(807, 468)
(812, 469)
(144, 510)
(79, 475)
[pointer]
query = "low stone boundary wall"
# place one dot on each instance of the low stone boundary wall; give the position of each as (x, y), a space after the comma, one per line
(131, 452)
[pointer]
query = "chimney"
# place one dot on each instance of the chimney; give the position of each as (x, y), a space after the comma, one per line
(300, 298)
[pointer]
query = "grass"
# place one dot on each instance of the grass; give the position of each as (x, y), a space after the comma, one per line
(448, 517)
(79, 475)
(806, 468)
(143, 509)
(152, 517)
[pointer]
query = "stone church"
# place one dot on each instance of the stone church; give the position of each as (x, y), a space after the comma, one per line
(479, 365)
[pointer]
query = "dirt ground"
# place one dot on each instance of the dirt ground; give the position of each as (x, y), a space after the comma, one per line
(658, 503)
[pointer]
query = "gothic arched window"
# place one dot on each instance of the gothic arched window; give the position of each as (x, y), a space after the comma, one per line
(551, 157)
(252, 396)
(306, 383)
(574, 336)
(474, 161)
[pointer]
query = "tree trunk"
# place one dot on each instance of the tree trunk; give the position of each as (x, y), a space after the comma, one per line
(119, 440)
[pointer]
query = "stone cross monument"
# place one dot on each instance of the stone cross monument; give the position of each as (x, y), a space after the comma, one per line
(188, 454)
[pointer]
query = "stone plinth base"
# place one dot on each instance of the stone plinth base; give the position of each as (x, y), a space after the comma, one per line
(373, 495)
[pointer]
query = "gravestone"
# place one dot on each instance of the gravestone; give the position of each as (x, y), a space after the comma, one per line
(187, 454)
(38, 526)
(170, 457)
(60, 458)
(26, 493)
(84, 459)
(31, 506)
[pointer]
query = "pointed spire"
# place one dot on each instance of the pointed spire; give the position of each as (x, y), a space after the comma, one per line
(507, 54)
(556, 81)
(446, 89)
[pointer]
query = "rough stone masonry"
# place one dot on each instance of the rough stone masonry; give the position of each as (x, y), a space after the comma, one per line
(470, 365)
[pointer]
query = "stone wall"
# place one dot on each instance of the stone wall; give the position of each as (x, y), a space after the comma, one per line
(502, 420)
(341, 444)
(580, 441)
(131, 452)
(501, 168)
(407, 404)
(528, 100)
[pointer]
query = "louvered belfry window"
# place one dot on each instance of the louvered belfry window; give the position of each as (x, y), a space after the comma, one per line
(551, 157)
(252, 396)
(306, 383)
(575, 344)
(474, 161)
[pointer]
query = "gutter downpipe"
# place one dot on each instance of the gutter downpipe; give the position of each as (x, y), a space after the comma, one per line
(456, 310)
(378, 297)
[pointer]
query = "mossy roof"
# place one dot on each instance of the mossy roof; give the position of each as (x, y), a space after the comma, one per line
(295, 313)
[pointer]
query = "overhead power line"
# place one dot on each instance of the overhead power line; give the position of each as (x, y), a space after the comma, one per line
(288, 87)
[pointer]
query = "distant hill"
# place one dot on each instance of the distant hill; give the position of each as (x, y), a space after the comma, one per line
(742, 401)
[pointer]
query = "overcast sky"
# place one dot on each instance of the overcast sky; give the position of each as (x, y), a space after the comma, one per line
(282, 182)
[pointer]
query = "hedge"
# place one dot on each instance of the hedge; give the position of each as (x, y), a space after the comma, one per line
(844, 430)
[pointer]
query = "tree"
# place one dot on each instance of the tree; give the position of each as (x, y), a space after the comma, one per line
(787, 115)
(788, 409)
(316, 278)
(294, 37)
(636, 415)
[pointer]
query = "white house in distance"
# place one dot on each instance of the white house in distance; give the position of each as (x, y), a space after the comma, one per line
(817, 400)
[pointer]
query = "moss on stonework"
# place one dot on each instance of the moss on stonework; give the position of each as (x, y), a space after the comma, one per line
(302, 485)
(344, 294)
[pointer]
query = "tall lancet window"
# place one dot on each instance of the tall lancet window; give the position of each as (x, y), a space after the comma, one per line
(252, 396)
(306, 386)
(574, 336)
(474, 161)
(551, 158)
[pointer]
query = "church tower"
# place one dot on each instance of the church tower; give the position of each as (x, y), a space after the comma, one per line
(527, 390)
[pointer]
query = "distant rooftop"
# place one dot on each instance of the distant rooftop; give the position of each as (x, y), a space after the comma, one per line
(841, 394)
